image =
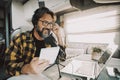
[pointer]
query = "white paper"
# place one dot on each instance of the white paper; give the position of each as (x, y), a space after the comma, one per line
(80, 68)
(49, 54)
(110, 71)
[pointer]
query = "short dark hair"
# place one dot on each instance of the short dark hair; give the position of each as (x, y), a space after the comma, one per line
(39, 13)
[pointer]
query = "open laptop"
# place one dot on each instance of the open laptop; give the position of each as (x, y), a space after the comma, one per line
(89, 69)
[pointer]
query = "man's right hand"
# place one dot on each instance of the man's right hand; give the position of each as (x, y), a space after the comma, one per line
(36, 66)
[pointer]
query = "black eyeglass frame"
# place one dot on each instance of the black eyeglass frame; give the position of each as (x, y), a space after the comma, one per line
(46, 23)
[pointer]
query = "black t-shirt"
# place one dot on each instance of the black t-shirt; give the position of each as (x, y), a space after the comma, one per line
(39, 44)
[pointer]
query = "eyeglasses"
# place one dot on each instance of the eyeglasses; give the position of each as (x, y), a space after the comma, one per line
(46, 23)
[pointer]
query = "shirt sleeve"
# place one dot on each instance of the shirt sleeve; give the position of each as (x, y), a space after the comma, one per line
(13, 58)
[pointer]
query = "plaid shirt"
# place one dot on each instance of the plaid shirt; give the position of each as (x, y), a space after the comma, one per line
(20, 52)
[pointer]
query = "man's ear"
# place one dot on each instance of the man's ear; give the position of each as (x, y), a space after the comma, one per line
(35, 26)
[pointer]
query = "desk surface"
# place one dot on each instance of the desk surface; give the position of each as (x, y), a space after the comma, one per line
(53, 74)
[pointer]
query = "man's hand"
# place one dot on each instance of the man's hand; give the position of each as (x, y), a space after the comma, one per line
(36, 66)
(56, 29)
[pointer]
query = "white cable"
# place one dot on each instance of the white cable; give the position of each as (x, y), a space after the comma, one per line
(71, 75)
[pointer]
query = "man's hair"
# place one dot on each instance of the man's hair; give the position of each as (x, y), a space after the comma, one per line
(39, 13)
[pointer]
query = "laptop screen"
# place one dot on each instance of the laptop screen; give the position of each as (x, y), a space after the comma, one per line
(104, 57)
(107, 54)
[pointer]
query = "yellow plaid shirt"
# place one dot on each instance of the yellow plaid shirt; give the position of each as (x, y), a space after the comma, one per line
(20, 52)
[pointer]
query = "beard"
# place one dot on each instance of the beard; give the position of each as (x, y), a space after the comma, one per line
(44, 33)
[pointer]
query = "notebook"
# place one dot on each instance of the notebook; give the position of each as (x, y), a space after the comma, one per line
(90, 69)
(49, 54)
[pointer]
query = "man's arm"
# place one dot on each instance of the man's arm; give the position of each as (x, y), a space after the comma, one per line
(12, 57)
(62, 54)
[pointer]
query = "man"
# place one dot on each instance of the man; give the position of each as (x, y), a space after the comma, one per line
(23, 52)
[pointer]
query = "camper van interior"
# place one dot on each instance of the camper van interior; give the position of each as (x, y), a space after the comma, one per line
(87, 25)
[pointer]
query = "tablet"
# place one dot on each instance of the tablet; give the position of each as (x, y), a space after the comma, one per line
(49, 54)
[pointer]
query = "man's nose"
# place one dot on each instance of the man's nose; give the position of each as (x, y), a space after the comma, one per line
(48, 26)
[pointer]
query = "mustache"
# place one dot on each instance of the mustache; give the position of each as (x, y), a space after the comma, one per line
(46, 29)
(37, 29)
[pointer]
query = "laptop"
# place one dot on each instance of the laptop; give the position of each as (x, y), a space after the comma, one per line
(89, 68)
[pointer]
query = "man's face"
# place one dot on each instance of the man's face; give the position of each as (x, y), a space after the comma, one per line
(45, 25)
